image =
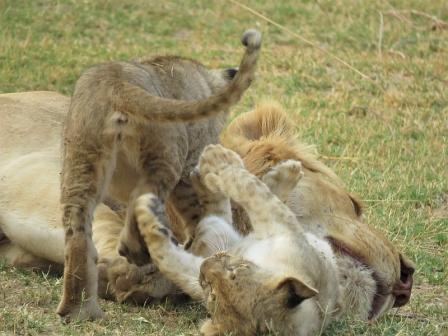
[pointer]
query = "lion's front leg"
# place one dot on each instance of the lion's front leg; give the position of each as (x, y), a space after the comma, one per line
(173, 261)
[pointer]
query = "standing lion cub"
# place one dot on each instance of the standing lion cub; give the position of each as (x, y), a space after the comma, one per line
(135, 128)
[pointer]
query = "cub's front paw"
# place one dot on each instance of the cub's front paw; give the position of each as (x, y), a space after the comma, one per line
(215, 158)
(205, 195)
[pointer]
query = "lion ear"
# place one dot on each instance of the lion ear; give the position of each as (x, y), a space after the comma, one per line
(296, 291)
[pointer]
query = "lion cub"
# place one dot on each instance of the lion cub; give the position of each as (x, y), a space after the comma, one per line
(278, 278)
(136, 128)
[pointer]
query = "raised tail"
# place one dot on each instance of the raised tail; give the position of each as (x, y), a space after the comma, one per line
(136, 101)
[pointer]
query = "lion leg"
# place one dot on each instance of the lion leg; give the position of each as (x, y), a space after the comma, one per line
(117, 279)
(215, 231)
(161, 177)
(213, 204)
(187, 205)
(83, 180)
(178, 265)
(222, 170)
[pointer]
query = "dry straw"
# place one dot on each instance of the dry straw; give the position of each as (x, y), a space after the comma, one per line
(301, 38)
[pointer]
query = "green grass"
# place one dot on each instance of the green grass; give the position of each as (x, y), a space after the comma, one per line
(388, 141)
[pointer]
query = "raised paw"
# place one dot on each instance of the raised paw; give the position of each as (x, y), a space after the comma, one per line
(204, 194)
(215, 158)
(289, 171)
(197, 183)
(283, 177)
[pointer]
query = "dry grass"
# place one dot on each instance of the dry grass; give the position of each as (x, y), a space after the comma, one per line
(386, 139)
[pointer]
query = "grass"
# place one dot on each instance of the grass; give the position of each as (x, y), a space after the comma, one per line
(388, 139)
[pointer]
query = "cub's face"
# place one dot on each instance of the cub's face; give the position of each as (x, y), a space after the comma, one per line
(245, 299)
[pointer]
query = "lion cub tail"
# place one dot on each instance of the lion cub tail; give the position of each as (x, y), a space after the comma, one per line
(140, 103)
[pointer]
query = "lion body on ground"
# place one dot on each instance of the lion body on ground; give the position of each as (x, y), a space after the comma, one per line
(29, 202)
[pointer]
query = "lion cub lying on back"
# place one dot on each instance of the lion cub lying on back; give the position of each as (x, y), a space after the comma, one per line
(277, 278)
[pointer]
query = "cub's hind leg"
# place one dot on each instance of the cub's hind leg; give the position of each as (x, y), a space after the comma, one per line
(215, 232)
(86, 170)
(187, 205)
(161, 169)
(178, 265)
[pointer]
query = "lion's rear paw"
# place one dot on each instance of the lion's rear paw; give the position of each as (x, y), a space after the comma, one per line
(124, 278)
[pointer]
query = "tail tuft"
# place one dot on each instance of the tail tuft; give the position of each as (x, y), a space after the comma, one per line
(251, 39)
(141, 104)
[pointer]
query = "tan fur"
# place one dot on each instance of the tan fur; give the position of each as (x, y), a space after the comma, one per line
(372, 276)
(117, 142)
(265, 137)
(254, 286)
(29, 207)
(39, 116)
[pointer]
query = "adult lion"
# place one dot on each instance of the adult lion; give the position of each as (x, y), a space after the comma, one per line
(29, 200)
(29, 208)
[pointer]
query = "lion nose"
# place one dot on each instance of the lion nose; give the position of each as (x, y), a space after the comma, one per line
(402, 296)
(403, 287)
(402, 290)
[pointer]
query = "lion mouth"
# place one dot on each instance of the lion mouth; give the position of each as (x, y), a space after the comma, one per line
(3, 238)
(380, 297)
(401, 291)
